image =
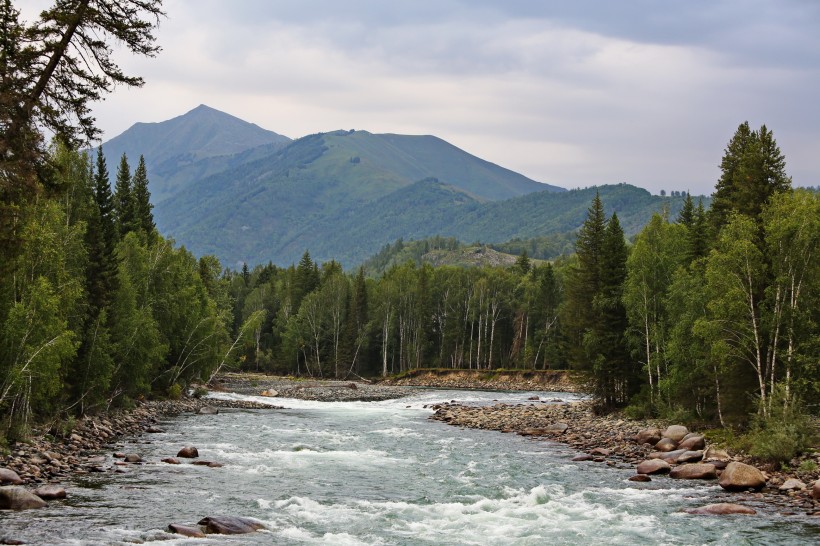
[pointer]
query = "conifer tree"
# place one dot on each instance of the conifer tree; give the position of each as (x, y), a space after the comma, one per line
(124, 199)
(687, 213)
(143, 217)
(101, 240)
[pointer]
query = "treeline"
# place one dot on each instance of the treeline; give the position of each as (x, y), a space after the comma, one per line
(96, 307)
(707, 314)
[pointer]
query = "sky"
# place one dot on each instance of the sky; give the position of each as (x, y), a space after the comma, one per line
(572, 93)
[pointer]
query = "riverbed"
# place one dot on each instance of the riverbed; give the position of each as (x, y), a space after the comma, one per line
(350, 473)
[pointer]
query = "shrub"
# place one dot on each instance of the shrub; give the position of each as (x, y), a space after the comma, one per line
(784, 433)
(200, 391)
(175, 391)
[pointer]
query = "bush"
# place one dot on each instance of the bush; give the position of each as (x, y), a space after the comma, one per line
(175, 391)
(200, 391)
(785, 433)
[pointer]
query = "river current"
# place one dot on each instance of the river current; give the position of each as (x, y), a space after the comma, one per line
(365, 473)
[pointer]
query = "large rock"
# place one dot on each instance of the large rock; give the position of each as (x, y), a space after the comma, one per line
(188, 452)
(18, 498)
(815, 490)
(693, 442)
(721, 509)
(739, 477)
(229, 525)
(186, 530)
(670, 457)
(792, 484)
(689, 457)
(676, 433)
(557, 428)
(640, 478)
(694, 472)
(715, 454)
(133, 458)
(50, 492)
(654, 466)
(666, 444)
(208, 410)
(649, 436)
(9, 476)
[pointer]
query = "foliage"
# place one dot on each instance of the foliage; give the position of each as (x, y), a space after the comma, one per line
(783, 431)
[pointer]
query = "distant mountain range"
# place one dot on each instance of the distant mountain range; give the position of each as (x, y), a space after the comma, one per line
(227, 187)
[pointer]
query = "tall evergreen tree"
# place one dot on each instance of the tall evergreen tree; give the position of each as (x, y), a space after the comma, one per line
(124, 199)
(143, 216)
(101, 240)
(687, 213)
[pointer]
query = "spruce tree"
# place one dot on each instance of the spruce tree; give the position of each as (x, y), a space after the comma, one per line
(687, 213)
(143, 216)
(124, 199)
(101, 239)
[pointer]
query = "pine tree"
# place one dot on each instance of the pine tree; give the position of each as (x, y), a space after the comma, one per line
(124, 199)
(101, 239)
(687, 213)
(143, 216)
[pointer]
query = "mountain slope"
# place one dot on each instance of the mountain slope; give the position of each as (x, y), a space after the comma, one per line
(171, 147)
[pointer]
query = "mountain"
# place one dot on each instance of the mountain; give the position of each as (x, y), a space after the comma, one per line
(226, 187)
(174, 150)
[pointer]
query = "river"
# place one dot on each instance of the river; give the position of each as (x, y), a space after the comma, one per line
(364, 473)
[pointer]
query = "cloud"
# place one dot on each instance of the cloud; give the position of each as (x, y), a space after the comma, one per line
(571, 93)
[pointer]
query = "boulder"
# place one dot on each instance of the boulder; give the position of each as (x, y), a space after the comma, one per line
(815, 490)
(654, 466)
(694, 472)
(602, 451)
(171, 460)
(721, 509)
(666, 444)
(583, 457)
(693, 442)
(670, 457)
(229, 525)
(676, 433)
(9, 476)
(18, 498)
(557, 428)
(792, 484)
(269, 392)
(649, 436)
(186, 530)
(50, 492)
(208, 410)
(739, 477)
(133, 458)
(188, 452)
(640, 478)
(154, 430)
(689, 457)
(715, 454)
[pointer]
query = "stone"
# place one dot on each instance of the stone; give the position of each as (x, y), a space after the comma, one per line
(815, 490)
(649, 436)
(154, 430)
(666, 444)
(11, 541)
(583, 457)
(676, 433)
(133, 458)
(171, 460)
(208, 410)
(671, 457)
(269, 392)
(689, 457)
(694, 472)
(792, 484)
(654, 466)
(557, 428)
(601, 451)
(188, 452)
(722, 509)
(18, 498)
(50, 492)
(715, 454)
(640, 478)
(10, 476)
(186, 530)
(739, 477)
(693, 443)
(229, 525)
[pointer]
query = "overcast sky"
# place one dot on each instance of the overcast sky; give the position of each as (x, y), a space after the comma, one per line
(574, 93)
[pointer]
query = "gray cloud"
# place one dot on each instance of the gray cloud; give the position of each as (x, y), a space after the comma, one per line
(571, 93)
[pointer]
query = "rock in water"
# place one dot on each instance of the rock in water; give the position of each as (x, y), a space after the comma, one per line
(675, 433)
(229, 525)
(721, 509)
(654, 466)
(133, 458)
(694, 472)
(791, 484)
(186, 530)
(739, 477)
(689, 457)
(640, 478)
(50, 492)
(188, 452)
(18, 498)
(171, 460)
(208, 410)
(9, 476)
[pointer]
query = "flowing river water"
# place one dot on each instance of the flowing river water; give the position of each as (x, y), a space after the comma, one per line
(350, 473)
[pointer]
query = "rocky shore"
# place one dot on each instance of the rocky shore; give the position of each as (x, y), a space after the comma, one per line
(324, 390)
(651, 449)
(503, 380)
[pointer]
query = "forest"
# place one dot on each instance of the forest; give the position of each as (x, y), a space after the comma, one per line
(709, 316)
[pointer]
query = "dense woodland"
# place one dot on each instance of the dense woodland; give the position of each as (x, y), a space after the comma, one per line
(710, 315)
